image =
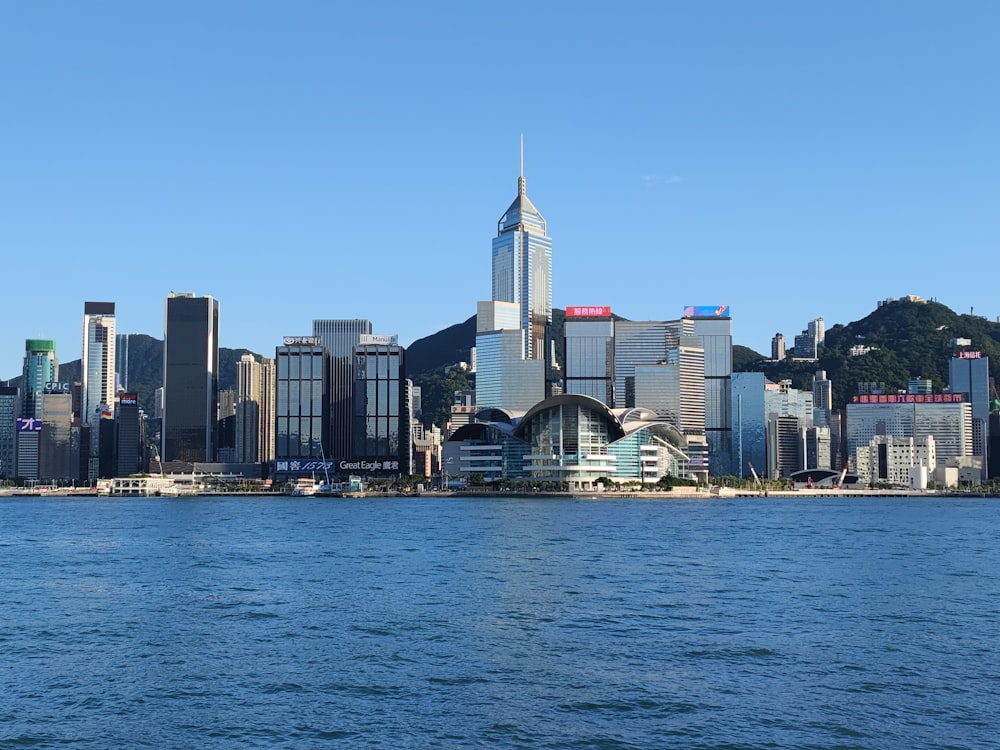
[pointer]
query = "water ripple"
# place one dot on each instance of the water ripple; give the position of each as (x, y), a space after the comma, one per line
(242, 622)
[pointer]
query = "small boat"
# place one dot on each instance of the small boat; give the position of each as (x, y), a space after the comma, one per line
(305, 488)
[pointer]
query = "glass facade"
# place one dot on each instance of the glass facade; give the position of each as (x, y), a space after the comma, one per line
(40, 367)
(716, 334)
(190, 378)
(10, 410)
(97, 364)
(55, 457)
(590, 357)
(381, 413)
(504, 379)
(972, 376)
(340, 336)
(302, 417)
(522, 270)
(568, 442)
(636, 343)
(749, 423)
(128, 436)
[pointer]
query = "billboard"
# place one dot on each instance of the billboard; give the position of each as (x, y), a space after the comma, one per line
(302, 341)
(588, 311)
(911, 398)
(969, 355)
(54, 386)
(303, 464)
(368, 465)
(128, 399)
(31, 424)
(382, 339)
(365, 465)
(706, 311)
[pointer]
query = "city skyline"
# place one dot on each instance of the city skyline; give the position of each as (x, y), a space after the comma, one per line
(789, 161)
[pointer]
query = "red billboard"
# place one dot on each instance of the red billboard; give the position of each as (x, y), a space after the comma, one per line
(588, 311)
(911, 398)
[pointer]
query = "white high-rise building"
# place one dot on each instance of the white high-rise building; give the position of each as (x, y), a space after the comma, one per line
(97, 364)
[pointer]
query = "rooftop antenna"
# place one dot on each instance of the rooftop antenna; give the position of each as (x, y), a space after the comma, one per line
(521, 189)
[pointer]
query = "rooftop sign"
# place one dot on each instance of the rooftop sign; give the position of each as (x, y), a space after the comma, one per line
(911, 398)
(578, 311)
(383, 339)
(706, 311)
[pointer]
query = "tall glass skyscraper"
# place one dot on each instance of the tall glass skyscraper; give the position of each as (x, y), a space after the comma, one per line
(381, 413)
(969, 372)
(522, 270)
(303, 416)
(590, 353)
(97, 365)
(40, 367)
(714, 326)
(190, 378)
(10, 410)
(340, 337)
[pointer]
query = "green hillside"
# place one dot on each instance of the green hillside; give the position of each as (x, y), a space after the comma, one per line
(907, 340)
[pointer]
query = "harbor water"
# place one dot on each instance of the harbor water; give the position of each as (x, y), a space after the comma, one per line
(500, 623)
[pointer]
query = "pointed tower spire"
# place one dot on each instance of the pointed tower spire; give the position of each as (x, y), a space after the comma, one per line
(522, 188)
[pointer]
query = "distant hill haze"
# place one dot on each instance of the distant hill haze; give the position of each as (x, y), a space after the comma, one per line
(907, 340)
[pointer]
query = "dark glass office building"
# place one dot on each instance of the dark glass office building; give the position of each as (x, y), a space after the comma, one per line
(10, 410)
(381, 430)
(302, 411)
(340, 337)
(128, 436)
(190, 378)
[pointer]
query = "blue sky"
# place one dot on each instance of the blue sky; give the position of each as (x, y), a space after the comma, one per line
(302, 160)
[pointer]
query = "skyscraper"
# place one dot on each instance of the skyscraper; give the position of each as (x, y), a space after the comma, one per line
(522, 269)
(190, 378)
(128, 436)
(714, 326)
(97, 365)
(340, 337)
(969, 373)
(590, 352)
(255, 413)
(381, 430)
(303, 407)
(40, 367)
(505, 378)
(10, 410)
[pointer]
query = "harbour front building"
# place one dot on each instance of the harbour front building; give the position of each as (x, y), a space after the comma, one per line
(574, 441)
(302, 409)
(946, 417)
(381, 430)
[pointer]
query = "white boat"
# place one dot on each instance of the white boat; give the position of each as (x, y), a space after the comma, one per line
(305, 487)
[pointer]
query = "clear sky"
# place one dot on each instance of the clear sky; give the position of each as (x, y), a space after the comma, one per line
(310, 159)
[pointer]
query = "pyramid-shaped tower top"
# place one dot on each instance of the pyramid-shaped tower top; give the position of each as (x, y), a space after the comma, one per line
(522, 211)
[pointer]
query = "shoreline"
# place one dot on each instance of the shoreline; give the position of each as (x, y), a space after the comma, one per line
(723, 493)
